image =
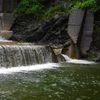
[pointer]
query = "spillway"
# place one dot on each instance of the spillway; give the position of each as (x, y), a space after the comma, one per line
(14, 54)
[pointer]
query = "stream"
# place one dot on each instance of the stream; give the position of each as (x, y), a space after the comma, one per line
(63, 81)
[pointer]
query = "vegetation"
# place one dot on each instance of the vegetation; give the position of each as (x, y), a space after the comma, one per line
(58, 9)
(93, 5)
(30, 6)
(47, 8)
(39, 8)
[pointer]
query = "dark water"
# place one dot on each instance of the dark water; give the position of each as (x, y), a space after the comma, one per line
(68, 82)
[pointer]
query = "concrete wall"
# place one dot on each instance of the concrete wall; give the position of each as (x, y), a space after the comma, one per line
(8, 5)
(6, 21)
(6, 17)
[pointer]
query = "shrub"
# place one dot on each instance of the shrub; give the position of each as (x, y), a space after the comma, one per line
(93, 5)
(30, 7)
(40, 8)
(58, 9)
(48, 8)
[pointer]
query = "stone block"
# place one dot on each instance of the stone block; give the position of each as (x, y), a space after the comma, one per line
(57, 51)
(6, 21)
(6, 34)
(87, 32)
(74, 24)
(8, 5)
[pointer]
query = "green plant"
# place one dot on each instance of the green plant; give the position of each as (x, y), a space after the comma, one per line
(30, 7)
(58, 9)
(40, 8)
(93, 5)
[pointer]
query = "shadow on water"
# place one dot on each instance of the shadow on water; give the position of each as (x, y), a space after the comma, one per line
(67, 82)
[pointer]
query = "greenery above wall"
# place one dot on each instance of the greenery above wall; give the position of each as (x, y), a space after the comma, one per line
(58, 9)
(30, 6)
(40, 8)
(93, 5)
(48, 8)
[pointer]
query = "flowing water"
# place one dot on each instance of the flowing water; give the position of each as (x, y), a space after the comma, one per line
(64, 81)
(23, 54)
(24, 77)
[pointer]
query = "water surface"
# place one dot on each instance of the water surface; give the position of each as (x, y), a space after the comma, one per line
(67, 82)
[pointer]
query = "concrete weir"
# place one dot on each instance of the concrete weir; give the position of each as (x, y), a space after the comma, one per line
(13, 54)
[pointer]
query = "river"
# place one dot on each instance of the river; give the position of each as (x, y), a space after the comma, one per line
(64, 81)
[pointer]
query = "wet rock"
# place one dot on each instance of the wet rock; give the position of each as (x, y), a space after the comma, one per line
(51, 31)
(60, 58)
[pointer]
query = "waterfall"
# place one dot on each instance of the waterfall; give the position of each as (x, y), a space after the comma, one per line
(77, 61)
(14, 54)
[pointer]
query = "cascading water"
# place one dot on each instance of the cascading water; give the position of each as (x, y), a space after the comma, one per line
(24, 54)
(77, 61)
(2, 39)
(18, 57)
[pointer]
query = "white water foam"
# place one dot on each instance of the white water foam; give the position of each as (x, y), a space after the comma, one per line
(2, 39)
(76, 61)
(28, 68)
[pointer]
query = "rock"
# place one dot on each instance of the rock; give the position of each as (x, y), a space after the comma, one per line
(60, 58)
(51, 31)
(57, 51)
(72, 51)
